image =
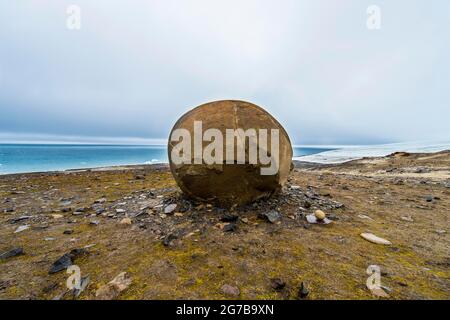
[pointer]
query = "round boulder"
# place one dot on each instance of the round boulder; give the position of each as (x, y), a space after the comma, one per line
(229, 153)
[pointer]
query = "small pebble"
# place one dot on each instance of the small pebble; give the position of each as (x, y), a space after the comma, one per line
(311, 218)
(320, 215)
(230, 290)
(170, 208)
(374, 239)
(409, 219)
(271, 216)
(111, 290)
(22, 228)
(126, 221)
(362, 216)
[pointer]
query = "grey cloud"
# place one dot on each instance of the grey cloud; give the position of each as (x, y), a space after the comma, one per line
(134, 68)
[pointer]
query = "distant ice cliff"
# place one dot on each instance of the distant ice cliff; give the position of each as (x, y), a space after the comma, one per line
(357, 152)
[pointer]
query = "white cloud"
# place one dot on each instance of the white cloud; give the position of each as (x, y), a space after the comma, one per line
(134, 68)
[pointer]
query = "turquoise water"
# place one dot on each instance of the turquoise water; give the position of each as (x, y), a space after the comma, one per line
(306, 151)
(18, 158)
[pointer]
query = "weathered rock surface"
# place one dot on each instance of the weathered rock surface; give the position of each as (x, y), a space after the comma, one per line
(231, 184)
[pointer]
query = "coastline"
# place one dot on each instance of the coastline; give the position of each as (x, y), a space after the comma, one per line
(328, 155)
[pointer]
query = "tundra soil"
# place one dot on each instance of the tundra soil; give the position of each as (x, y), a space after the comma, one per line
(135, 220)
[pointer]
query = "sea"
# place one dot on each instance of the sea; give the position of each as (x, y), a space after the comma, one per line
(23, 158)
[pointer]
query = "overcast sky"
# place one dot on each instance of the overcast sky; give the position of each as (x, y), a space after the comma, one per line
(136, 66)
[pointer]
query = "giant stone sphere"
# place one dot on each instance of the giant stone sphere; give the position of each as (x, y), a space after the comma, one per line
(233, 182)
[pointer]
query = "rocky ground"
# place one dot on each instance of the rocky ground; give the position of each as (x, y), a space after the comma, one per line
(134, 236)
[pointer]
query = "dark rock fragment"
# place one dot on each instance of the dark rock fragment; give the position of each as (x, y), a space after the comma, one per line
(228, 217)
(66, 260)
(167, 241)
(271, 216)
(303, 291)
(229, 227)
(21, 218)
(62, 263)
(11, 253)
(277, 284)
